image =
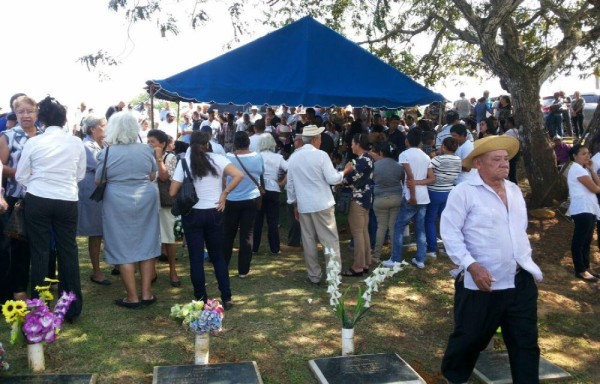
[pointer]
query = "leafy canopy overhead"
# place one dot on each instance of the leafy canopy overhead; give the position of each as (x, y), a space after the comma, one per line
(426, 39)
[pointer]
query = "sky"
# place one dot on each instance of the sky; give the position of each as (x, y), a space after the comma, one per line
(47, 37)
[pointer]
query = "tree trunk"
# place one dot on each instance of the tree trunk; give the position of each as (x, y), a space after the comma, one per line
(594, 129)
(536, 147)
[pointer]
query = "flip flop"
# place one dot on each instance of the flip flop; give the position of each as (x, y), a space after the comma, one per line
(100, 282)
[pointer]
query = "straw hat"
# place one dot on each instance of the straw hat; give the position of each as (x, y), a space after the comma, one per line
(312, 130)
(492, 143)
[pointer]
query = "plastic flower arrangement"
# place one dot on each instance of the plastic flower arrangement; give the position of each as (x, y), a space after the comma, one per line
(178, 228)
(363, 299)
(200, 317)
(3, 364)
(32, 320)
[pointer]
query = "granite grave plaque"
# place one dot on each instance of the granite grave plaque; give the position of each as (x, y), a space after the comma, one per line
(493, 367)
(84, 378)
(225, 373)
(383, 368)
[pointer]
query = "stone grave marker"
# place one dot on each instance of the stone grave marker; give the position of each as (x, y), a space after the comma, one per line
(225, 373)
(493, 367)
(379, 368)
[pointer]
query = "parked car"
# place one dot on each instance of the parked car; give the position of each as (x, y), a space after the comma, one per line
(591, 101)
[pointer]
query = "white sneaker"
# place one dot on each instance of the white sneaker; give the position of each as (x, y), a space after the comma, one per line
(418, 264)
(433, 255)
(388, 263)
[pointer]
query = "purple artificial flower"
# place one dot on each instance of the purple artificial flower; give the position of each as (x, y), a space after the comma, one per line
(35, 303)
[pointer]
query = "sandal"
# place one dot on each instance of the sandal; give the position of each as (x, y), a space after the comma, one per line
(352, 273)
(588, 277)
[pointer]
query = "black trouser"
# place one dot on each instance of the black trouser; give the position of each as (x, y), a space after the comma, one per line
(477, 316)
(43, 215)
(512, 171)
(19, 257)
(577, 122)
(239, 214)
(270, 209)
(5, 291)
(583, 234)
(294, 234)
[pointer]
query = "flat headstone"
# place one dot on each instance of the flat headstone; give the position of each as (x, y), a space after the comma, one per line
(225, 373)
(382, 368)
(84, 378)
(493, 367)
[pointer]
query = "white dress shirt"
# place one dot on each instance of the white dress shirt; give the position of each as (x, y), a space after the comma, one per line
(51, 164)
(310, 174)
(476, 226)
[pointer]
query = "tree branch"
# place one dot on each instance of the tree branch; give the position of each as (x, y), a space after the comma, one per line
(399, 31)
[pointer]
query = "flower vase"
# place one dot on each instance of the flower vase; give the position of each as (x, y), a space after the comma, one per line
(35, 357)
(347, 341)
(201, 348)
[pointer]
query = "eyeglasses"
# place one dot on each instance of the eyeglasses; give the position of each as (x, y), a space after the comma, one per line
(27, 112)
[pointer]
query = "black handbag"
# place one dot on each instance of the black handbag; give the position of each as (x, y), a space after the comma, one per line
(98, 193)
(163, 190)
(15, 228)
(186, 197)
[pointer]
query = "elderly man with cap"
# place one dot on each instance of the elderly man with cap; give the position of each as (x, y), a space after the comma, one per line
(169, 126)
(310, 174)
(254, 115)
(484, 229)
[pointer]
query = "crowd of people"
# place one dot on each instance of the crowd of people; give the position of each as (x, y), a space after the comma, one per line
(398, 167)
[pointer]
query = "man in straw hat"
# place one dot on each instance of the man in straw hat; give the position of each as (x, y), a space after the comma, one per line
(310, 174)
(484, 231)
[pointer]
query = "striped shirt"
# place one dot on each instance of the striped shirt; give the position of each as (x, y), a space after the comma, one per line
(446, 169)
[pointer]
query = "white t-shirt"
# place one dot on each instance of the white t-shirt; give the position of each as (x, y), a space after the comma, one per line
(209, 187)
(169, 128)
(419, 163)
(462, 152)
(254, 139)
(582, 199)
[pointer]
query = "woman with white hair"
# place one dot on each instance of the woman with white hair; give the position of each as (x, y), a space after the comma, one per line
(130, 207)
(274, 166)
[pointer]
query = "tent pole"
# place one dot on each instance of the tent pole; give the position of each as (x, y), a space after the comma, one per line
(151, 111)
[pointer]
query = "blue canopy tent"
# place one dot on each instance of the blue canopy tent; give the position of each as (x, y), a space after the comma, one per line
(321, 67)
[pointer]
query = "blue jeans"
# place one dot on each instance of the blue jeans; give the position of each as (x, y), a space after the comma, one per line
(407, 212)
(555, 124)
(200, 226)
(437, 203)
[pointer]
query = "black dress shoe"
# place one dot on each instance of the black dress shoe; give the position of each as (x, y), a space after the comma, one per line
(589, 278)
(595, 274)
(127, 304)
(115, 272)
(149, 301)
(227, 305)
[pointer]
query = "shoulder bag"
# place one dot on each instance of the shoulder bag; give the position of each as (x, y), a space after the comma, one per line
(15, 228)
(186, 197)
(261, 189)
(163, 189)
(98, 193)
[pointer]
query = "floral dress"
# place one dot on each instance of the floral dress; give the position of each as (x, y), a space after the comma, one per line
(361, 181)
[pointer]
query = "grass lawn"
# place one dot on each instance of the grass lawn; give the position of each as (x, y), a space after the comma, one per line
(281, 322)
